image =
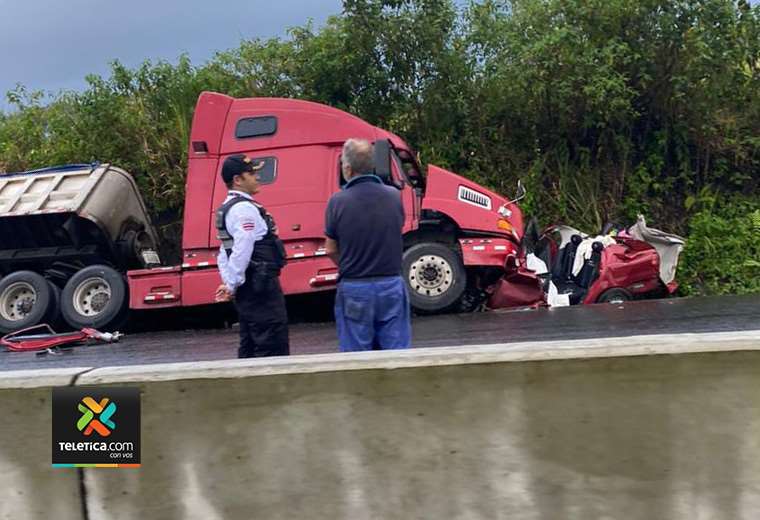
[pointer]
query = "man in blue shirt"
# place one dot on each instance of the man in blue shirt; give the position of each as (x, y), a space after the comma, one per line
(250, 259)
(363, 225)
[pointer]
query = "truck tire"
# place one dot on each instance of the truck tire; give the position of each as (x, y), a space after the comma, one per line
(434, 275)
(96, 297)
(25, 299)
(614, 295)
(53, 316)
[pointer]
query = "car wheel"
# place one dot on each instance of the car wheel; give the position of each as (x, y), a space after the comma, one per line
(614, 295)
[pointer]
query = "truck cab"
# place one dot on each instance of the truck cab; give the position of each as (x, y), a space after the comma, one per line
(456, 232)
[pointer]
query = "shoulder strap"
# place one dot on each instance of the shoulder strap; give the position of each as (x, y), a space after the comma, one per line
(268, 218)
(221, 220)
(261, 209)
(235, 200)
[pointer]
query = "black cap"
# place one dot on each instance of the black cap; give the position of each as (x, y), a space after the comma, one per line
(237, 165)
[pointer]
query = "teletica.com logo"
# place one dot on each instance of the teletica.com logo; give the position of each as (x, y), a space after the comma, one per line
(102, 424)
(84, 427)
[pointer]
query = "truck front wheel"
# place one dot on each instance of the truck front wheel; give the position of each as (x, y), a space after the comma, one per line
(25, 300)
(95, 296)
(434, 275)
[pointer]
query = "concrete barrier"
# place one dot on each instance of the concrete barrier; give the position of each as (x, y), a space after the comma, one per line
(29, 486)
(644, 427)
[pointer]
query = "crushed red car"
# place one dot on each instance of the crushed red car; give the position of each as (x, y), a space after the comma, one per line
(564, 266)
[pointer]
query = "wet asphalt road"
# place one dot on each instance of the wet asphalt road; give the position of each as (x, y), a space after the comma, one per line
(670, 316)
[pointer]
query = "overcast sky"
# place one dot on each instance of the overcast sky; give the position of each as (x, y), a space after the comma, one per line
(53, 44)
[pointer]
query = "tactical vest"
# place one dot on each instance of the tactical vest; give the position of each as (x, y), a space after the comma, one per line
(268, 249)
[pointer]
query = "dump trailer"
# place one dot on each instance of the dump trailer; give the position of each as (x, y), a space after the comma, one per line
(76, 241)
(67, 236)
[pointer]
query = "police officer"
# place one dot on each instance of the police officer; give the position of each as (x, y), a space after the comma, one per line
(250, 260)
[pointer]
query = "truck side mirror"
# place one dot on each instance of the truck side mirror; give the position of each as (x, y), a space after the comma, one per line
(382, 161)
(521, 191)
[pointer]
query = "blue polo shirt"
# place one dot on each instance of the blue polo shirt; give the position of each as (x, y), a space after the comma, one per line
(366, 218)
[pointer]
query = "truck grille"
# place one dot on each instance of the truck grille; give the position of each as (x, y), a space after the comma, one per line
(473, 197)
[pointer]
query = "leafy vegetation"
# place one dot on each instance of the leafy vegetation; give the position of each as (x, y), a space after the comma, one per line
(605, 108)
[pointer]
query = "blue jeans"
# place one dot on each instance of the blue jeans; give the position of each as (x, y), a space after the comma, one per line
(373, 313)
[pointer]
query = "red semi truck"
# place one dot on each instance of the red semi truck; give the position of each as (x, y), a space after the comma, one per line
(76, 240)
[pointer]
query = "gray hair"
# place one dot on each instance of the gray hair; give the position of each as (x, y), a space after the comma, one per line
(358, 155)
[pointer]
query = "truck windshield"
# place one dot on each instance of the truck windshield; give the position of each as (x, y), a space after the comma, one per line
(408, 168)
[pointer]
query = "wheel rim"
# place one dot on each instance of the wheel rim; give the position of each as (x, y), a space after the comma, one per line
(615, 298)
(431, 275)
(17, 301)
(92, 296)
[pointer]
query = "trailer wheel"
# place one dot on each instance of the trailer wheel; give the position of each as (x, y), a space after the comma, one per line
(25, 299)
(95, 296)
(614, 295)
(434, 275)
(53, 315)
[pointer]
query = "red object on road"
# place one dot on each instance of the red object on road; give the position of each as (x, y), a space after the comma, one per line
(26, 340)
(571, 267)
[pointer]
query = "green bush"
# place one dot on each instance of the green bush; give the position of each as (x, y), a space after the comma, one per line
(722, 254)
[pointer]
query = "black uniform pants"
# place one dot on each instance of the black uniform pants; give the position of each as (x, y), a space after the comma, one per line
(263, 320)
